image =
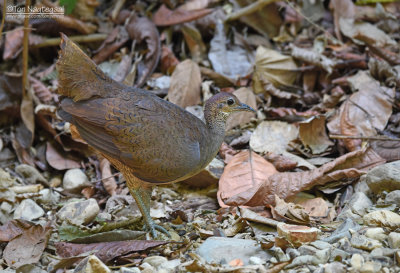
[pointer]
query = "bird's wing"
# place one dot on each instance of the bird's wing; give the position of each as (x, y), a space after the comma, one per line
(157, 140)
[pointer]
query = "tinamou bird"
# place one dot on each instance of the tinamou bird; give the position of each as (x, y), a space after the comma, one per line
(149, 140)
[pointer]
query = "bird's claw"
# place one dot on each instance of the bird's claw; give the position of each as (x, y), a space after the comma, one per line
(153, 230)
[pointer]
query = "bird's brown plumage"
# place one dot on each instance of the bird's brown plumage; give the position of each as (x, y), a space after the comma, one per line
(150, 140)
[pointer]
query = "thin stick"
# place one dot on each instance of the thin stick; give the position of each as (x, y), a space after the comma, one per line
(248, 9)
(3, 20)
(77, 39)
(330, 36)
(364, 137)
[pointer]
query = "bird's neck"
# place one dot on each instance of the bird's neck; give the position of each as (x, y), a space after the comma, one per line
(216, 124)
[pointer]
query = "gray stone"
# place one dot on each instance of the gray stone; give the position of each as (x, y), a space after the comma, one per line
(376, 233)
(362, 186)
(304, 260)
(363, 242)
(279, 254)
(223, 250)
(321, 244)
(292, 252)
(323, 255)
(342, 231)
(307, 250)
(75, 180)
(28, 210)
(49, 197)
(334, 267)
(357, 261)
(384, 177)
(161, 264)
(394, 240)
(384, 218)
(356, 207)
(129, 270)
(393, 197)
(30, 174)
(79, 212)
(256, 260)
(91, 264)
(370, 267)
(339, 255)
(383, 251)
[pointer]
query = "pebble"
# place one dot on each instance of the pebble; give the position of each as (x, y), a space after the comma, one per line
(394, 240)
(48, 196)
(30, 174)
(222, 250)
(363, 242)
(376, 233)
(357, 261)
(75, 180)
(356, 207)
(339, 255)
(28, 210)
(79, 212)
(370, 267)
(384, 177)
(334, 267)
(256, 260)
(343, 231)
(393, 198)
(129, 270)
(385, 218)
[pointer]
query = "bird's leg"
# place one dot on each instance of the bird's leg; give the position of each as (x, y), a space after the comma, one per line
(142, 197)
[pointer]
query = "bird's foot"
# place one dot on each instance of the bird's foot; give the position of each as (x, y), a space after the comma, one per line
(153, 230)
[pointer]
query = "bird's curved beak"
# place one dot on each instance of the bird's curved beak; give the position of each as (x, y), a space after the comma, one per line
(244, 107)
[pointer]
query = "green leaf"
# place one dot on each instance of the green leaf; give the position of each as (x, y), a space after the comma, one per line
(69, 5)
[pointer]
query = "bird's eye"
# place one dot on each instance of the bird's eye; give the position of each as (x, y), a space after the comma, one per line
(230, 101)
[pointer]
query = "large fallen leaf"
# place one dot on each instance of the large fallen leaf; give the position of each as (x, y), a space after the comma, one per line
(369, 32)
(284, 185)
(142, 30)
(185, 84)
(246, 96)
(59, 160)
(12, 229)
(272, 66)
(108, 179)
(273, 136)
(106, 251)
(166, 17)
(233, 62)
(28, 247)
(364, 111)
(312, 134)
(242, 177)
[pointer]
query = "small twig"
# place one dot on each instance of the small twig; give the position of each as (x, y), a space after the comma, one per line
(364, 137)
(115, 174)
(328, 35)
(248, 9)
(77, 39)
(3, 19)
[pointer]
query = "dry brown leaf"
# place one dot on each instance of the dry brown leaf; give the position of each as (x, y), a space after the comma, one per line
(185, 84)
(115, 39)
(58, 160)
(242, 177)
(349, 166)
(314, 58)
(316, 207)
(40, 90)
(289, 212)
(195, 4)
(166, 17)
(364, 111)
(194, 41)
(273, 67)
(28, 247)
(389, 150)
(246, 96)
(107, 178)
(75, 24)
(312, 134)
(12, 229)
(273, 136)
(168, 60)
(341, 9)
(106, 251)
(281, 162)
(13, 43)
(143, 30)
